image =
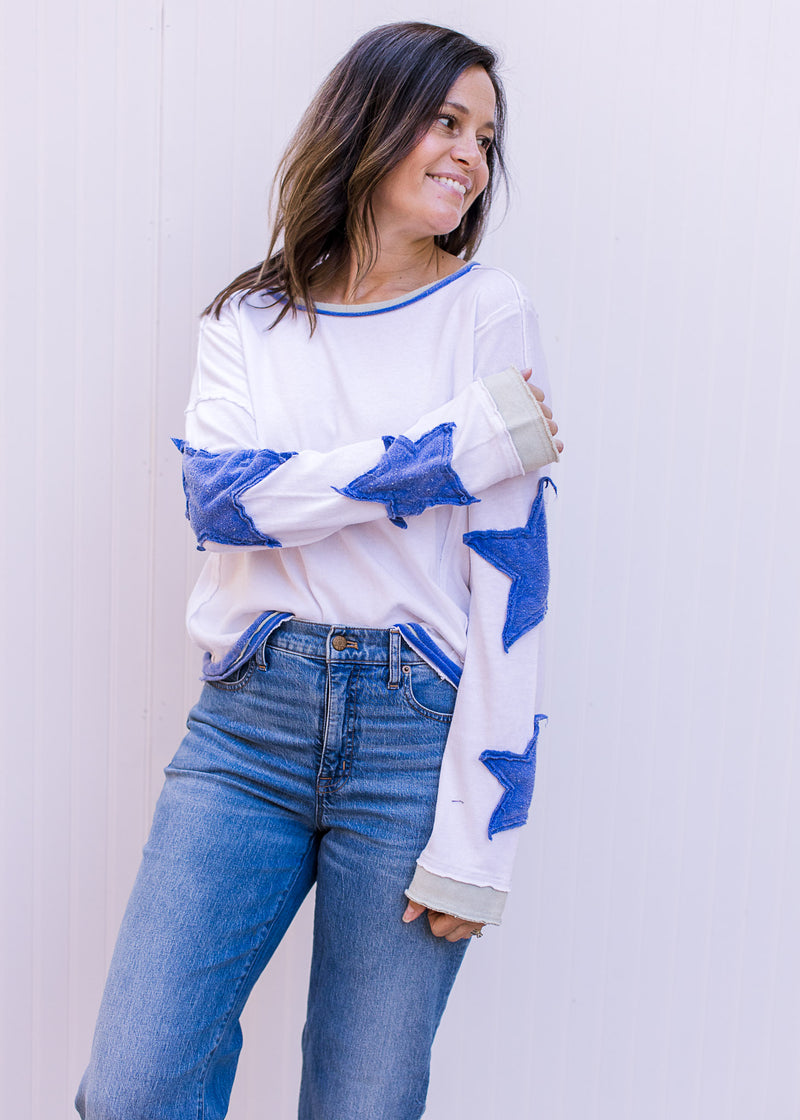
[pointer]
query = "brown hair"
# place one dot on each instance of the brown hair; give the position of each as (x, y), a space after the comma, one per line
(366, 117)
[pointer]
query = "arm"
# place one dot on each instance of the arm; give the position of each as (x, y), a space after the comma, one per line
(240, 495)
(486, 780)
(486, 783)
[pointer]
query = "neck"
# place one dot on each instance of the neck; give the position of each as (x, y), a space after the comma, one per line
(398, 268)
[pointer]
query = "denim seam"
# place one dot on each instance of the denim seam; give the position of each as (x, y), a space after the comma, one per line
(352, 660)
(253, 957)
(321, 660)
(350, 723)
(395, 640)
(349, 728)
(320, 783)
(334, 784)
(343, 771)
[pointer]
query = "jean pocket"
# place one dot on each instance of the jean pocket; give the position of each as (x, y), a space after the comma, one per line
(237, 679)
(428, 693)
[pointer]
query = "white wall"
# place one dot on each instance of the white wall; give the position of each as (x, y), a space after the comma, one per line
(647, 966)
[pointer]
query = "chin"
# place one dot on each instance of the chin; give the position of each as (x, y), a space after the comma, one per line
(450, 229)
(448, 225)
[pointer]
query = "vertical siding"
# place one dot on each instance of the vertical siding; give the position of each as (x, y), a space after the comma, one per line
(17, 786)
(647, 964)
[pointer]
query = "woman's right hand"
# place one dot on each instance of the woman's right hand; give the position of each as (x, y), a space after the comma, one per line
(537, 392)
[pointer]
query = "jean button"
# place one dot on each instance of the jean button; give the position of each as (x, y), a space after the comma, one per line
(339, 642)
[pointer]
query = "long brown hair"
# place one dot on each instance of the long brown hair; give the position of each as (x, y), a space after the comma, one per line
(366, 117)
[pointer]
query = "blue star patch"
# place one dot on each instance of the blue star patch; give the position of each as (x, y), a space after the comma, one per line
(521, 554)
(515, 773)
(213, 484)
(412, 475)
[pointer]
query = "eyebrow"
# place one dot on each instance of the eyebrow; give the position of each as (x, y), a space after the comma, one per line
(463, 109)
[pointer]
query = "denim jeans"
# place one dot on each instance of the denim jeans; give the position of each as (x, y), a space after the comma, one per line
(318, 760)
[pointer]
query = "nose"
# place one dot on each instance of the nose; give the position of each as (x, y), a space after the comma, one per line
(467, 151)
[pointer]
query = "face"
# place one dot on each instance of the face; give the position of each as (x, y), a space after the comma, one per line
(429, 191)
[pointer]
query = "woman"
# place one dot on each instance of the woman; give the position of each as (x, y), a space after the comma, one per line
(362, 464)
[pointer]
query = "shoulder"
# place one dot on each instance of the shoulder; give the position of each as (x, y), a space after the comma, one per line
(243, 322)
(496, 294)
(221, 320)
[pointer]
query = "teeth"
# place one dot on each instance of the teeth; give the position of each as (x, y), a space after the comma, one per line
(450, 183)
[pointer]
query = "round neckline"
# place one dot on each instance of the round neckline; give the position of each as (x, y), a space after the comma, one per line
(350, 310)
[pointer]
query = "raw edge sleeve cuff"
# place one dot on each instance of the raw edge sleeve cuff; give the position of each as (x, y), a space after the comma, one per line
(523, 416)
(462, 900)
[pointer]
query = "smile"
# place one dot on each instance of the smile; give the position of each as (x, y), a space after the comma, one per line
(452, 184)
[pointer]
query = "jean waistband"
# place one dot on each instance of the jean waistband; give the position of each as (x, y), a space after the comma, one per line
(343, 643)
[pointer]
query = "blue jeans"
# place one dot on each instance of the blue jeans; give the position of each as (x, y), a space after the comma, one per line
(318, 760)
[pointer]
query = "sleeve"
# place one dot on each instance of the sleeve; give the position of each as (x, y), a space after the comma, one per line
(241, 495)
(487, 775)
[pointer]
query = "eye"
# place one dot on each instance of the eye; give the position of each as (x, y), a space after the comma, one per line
(450, 123)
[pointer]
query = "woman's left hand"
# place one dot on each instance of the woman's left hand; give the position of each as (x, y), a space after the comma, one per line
(442, 925)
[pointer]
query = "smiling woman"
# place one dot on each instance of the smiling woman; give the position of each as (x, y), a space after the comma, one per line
(428, 193)
(363, 461)
(398, 91)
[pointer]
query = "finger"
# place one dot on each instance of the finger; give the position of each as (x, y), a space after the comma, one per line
(413, 911)
(537, 392)
(440, 923)
(553, 426)
(559, 446)
(462, 932)
(547, 411)
(443, 925)
(450, 927)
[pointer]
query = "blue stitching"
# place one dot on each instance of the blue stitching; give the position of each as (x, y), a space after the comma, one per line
(411, 476)
(516, 774)
(213, 483)
(520, 553)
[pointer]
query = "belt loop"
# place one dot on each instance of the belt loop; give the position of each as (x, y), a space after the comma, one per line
(394, 658)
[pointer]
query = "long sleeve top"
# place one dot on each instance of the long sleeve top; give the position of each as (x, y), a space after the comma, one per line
(387, 471)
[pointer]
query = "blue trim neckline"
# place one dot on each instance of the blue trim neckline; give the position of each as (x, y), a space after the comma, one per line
(390, 305)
